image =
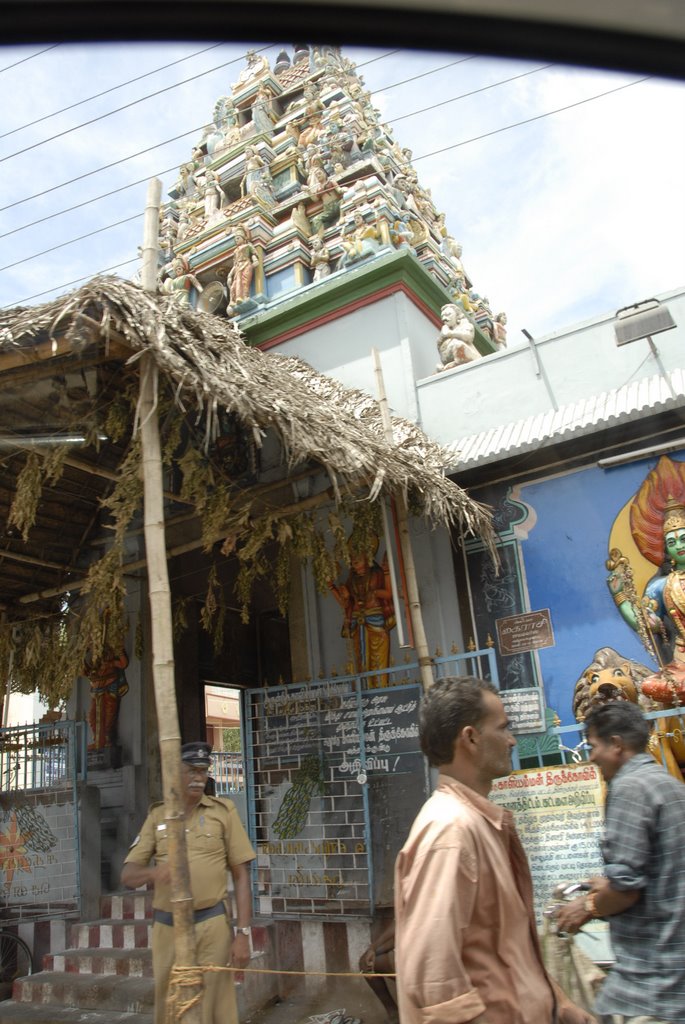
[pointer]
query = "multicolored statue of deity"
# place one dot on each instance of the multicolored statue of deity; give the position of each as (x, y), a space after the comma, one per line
(107, 686)
(369, 615)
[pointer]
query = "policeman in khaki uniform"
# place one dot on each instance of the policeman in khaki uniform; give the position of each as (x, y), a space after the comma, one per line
(217, 843)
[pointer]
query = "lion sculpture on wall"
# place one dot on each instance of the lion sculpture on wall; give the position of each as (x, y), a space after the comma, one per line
(611, 676)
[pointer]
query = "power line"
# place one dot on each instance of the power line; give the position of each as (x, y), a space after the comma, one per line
(529, 120)
(473, 92)
(131, 184)
(61, 245)
(424, 74)
(453, 99)
(139, 78)
(424, 156)
(113, 88)
(191, 131)
(105, 167)
(126, 106)
(87, 202)
(77, 280)
(382, 56)
(30, 57)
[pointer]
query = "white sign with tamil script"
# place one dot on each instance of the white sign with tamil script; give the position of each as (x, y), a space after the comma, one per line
(559, 815)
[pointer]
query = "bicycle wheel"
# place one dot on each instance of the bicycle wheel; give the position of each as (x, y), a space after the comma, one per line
(15, 958)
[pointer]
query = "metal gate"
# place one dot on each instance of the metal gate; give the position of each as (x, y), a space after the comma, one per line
(336, 777)
(39, 821)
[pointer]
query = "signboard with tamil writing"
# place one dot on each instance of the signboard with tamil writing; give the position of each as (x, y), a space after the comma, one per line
(526, 632)
(338, 778)
(559, 816)
(525, 710)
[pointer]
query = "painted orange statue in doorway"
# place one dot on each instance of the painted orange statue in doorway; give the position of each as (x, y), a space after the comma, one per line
(107, 686)
(368, 612)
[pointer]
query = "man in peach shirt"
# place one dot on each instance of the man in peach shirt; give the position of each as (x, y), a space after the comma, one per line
(467, 948)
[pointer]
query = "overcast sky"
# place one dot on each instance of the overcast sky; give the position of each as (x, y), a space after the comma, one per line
(563, 218)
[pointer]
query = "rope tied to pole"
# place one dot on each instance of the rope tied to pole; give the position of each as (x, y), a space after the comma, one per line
(178, 974)
(180, 979)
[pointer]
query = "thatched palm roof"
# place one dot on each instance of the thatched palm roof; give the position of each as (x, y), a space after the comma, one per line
(70, 361)
(211, 366)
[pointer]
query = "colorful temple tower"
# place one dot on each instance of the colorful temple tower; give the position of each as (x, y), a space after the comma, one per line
(297, 181)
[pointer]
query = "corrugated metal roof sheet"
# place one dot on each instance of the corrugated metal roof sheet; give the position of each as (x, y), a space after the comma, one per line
(610, 408)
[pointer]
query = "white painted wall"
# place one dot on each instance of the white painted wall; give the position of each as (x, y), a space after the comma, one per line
(575, 363)
(342, 349)
(510, 385)
(24, 709)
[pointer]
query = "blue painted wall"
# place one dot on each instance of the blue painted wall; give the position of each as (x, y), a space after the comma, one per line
(564, 560)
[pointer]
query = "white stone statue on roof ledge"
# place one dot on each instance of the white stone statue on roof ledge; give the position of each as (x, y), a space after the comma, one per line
(500, 330)
(455, 341)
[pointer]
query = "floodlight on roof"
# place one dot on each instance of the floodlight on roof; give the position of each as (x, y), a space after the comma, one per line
(642, 320)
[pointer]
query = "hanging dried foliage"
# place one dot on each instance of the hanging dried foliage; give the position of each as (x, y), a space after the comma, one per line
(27, 495)
(179, 616)
(213, 612)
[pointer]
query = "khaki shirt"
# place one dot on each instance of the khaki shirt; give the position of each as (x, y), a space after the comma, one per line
(216, 841)
(466, 946)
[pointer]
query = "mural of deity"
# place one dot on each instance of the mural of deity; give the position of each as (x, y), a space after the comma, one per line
(657, 539)
(657, 525)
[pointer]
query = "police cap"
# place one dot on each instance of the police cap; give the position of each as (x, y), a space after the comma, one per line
(197, 754)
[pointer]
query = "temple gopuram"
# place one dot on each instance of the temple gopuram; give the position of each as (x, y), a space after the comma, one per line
(296, 182)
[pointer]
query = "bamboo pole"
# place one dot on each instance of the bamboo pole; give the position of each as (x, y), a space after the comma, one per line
(162, 637)
(421, 644)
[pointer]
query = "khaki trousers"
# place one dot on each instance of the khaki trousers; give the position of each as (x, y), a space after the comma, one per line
(214, 938)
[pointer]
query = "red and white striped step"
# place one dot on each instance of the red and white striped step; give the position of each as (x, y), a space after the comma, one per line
(108, 965)
(124, 962)
(110, 935)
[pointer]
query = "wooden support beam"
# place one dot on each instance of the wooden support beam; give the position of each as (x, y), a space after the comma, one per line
(283, 511)
(12, 556)
(115, 347)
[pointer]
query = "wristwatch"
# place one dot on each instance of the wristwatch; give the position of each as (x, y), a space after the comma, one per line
(243, 931)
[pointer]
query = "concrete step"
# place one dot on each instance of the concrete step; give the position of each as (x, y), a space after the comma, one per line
(86, 991)
(31, 1013)
(110, 934)
(124, 906)
(131, 963)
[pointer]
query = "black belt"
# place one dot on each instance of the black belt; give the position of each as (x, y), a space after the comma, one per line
(164, 917)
